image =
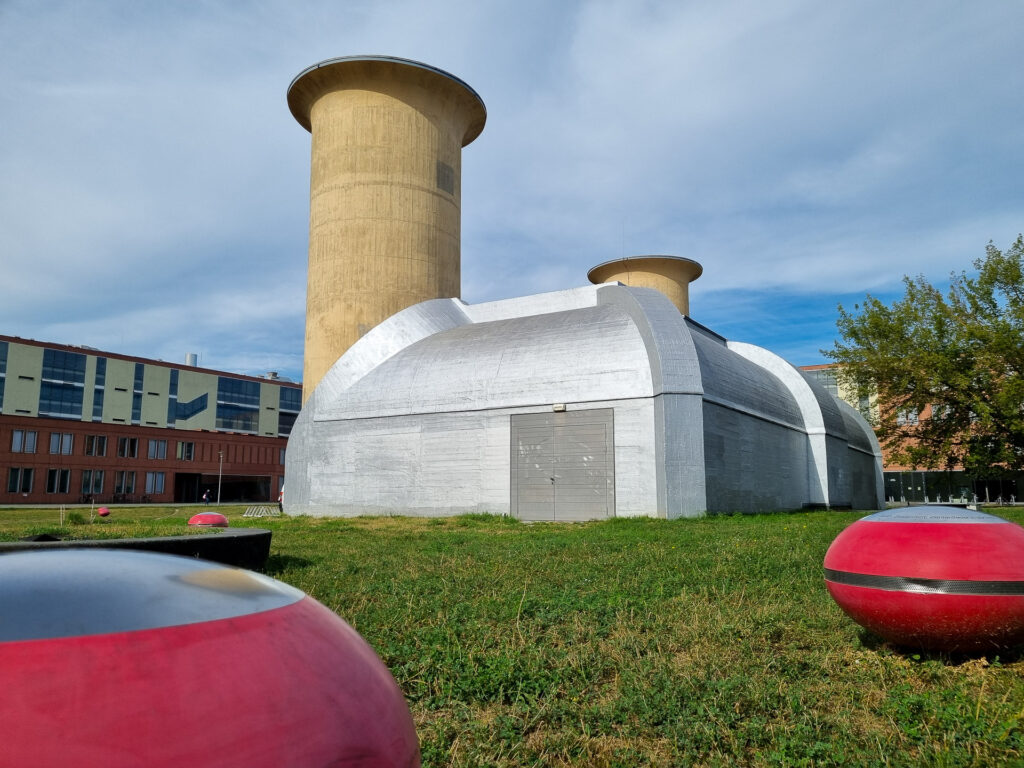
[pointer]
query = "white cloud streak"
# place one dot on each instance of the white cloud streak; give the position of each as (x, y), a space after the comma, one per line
(154, 188)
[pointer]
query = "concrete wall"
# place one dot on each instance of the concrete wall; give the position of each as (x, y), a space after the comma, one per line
(752, 465)
(440, 464)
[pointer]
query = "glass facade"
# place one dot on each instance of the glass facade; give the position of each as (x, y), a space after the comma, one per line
(99, 387)
(172, 399)
(137, 394)
(291, 403)
(63, 384)
(3, 371)
(191, 408)
(238, 405)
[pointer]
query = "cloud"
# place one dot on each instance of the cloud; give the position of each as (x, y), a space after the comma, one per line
(155, 187)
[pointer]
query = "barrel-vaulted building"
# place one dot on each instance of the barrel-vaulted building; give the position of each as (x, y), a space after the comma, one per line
(589, 403)
(600, 401)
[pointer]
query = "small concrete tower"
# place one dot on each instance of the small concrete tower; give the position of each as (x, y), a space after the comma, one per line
(385, 193)
(671, 275)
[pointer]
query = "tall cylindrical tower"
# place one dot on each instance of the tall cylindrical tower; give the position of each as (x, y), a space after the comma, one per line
(385, 193)
(671, 275)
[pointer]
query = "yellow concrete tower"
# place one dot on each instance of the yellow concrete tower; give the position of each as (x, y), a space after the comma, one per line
(671, 275)
(385, 193)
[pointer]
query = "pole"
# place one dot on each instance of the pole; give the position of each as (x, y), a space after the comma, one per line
(220, 473)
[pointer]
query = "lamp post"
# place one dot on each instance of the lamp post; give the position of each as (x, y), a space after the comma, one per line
(220, 473)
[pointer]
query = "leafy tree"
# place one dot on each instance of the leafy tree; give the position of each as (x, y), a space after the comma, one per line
(957, 359)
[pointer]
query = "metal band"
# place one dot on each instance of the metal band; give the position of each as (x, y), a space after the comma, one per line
(933, 514)
(925, 586)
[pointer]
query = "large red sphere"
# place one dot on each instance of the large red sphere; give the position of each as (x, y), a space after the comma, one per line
(935, 578)
(102, 511)
(126, 658)
(213, 519)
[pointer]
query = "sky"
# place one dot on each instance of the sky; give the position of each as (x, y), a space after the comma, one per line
(154, 188)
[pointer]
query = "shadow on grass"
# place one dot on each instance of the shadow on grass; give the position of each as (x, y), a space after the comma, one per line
(947, 658)
(277, 564)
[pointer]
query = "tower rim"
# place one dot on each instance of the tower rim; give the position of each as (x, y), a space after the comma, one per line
(695, 266)
(300, 104)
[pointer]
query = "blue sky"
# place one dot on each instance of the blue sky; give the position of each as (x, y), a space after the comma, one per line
(154, 187)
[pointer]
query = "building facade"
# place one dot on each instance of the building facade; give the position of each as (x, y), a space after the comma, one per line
(78, 425)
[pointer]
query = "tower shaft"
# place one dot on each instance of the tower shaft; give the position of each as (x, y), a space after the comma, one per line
(385, 194)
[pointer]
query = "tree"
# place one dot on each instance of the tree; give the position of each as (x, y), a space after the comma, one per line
(956, 359)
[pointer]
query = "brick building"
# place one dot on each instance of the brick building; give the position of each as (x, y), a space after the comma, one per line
(80, 425)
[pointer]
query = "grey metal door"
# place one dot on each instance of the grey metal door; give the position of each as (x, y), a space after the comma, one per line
(563, 465)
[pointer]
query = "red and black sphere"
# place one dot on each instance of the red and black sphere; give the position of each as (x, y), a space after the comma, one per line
(935, 578)
(125, 658)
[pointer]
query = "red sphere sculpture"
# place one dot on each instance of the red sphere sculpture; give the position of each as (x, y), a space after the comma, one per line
(936, 578)
(215, 519)
(189, 663)
(102, 511)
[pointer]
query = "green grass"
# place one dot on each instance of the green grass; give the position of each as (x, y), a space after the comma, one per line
(636, 643)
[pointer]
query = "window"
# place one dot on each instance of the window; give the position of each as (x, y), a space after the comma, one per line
(99, 389)
(172, 399)
(190, 408)
(23, 441)
(827, 379)
(58, 480)
(127, 447)
(124, 482)
(186, 451)
(95, 445)
(290, 404)
(906, 417)
(19, 480)
(3, 371)
(280, 458)
(137, 394)
(238, 405)
(154, 482)
(864, 406)
(158, 449)
(61, 442)
(63, 384)
(92, 482)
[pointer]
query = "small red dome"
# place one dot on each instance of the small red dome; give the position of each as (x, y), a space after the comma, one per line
(215, 519)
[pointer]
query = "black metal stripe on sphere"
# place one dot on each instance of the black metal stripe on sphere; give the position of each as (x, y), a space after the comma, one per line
(926, 586)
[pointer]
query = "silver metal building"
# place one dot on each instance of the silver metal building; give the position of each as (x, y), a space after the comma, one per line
(589, 403)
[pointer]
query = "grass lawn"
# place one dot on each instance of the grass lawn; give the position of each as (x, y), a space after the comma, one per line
(632, 643)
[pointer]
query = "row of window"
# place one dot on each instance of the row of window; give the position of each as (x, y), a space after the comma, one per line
(21, 479)
(24, 441)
